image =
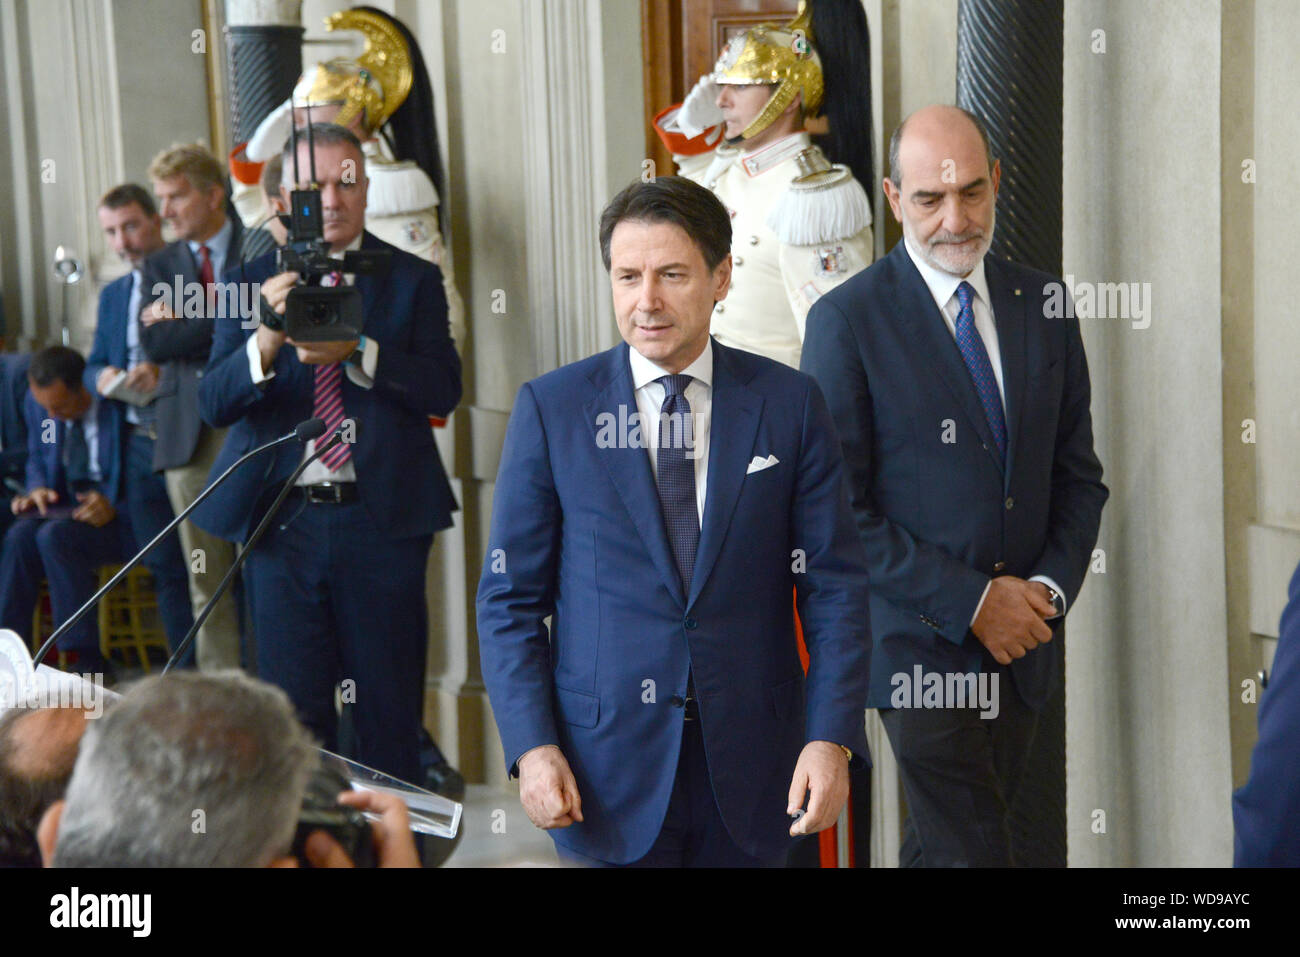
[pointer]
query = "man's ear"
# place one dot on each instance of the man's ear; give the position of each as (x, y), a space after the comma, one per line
(895, 197)
(48, 831)
(722, 279)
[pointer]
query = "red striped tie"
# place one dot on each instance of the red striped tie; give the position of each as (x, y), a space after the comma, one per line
(328, 405)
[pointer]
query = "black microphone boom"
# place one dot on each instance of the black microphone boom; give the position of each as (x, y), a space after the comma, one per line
(305, 430)
(335, 438)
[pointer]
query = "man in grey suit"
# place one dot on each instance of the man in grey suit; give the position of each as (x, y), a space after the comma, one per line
(176, 331)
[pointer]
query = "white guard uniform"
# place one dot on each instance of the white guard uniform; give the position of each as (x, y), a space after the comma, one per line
(785, 255)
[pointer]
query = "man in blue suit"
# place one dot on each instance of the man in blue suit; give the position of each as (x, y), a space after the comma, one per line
(961, 397)
(338, 581)
(68, 518)
(133, 229)
(659, 502)
(1266, 810)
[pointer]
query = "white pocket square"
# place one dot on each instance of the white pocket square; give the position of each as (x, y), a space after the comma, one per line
(758, 463)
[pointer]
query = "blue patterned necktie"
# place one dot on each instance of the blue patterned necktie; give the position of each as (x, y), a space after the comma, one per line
(676, 475)
(981, 370)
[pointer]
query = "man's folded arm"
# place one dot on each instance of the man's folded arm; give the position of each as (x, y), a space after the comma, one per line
(832, 589)
(913, 574)
(427, 377)
(516, 592)
(1077, 490)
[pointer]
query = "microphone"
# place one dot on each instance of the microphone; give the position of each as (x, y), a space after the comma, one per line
(309, 429)
(335, 438)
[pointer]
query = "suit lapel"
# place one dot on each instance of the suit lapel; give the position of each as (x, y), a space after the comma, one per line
(372, 287)
(938, 344)
(734, 424)
(629, 467)
(1009, 317)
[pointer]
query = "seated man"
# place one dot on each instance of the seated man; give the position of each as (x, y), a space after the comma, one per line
(226, 755)
(68, 522)
(37, 752)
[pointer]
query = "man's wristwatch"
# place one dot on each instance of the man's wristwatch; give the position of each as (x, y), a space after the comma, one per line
(847, 753)
(358, 354)
(1057, 600)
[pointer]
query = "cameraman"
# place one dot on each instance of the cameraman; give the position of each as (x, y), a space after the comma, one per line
(338, 581)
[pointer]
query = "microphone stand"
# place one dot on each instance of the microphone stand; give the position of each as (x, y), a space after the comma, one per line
(335, 438)
(81, 612)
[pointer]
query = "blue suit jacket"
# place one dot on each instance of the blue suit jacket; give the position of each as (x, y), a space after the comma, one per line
(109, 348)
(45, 459)
(1266, 811)
(400, 477)
(939, 518)
(13, 422)
(577, 534)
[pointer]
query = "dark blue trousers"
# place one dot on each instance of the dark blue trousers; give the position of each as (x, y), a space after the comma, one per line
(693, 834)
(68, 554)
(150, 510)
(337, 603)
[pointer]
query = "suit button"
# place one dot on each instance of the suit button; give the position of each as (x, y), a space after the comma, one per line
(1011, 503)
(738, 260)
(691, 624)
(677, 701)
(999, 566)
(753, 240)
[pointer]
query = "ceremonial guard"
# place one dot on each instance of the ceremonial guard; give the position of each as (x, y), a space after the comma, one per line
(801, 225)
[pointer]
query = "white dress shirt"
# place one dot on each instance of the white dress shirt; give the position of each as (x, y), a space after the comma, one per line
(943, 289)
(699, 394)
(364, 376)
(134, 351)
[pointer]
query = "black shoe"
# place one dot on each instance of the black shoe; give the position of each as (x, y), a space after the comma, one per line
(442, 778)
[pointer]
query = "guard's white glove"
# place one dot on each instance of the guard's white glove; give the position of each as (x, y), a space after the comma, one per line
(269, 137)
(700, 109)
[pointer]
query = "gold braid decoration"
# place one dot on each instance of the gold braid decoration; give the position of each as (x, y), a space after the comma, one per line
(386, 57)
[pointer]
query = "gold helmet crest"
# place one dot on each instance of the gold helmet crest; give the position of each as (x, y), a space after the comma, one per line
(784, 56)
(373, 85)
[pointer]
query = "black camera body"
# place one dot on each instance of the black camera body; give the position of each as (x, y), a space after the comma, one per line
(322, 812)
(312, 312)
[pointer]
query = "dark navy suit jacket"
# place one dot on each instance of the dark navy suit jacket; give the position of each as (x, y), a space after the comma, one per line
(13, 424)
(45, 459)
(1266, 811)
(577, 534)
(939, 519)
(400, 477)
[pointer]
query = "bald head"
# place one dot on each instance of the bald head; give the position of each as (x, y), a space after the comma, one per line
(943, 187)
(937, 130)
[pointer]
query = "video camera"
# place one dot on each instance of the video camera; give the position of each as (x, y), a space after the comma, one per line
(312, 312)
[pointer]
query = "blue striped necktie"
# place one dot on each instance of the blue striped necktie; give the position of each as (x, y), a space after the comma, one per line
(981, 370)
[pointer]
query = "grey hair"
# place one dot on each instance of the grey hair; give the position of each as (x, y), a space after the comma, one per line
(322, 134)
(223, 744)
(896, 172)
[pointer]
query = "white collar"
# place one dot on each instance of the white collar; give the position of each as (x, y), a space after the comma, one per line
(772, 155)
(943, 285)
(644, 371)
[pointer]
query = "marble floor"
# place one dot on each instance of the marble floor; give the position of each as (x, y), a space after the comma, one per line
(497, 833)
